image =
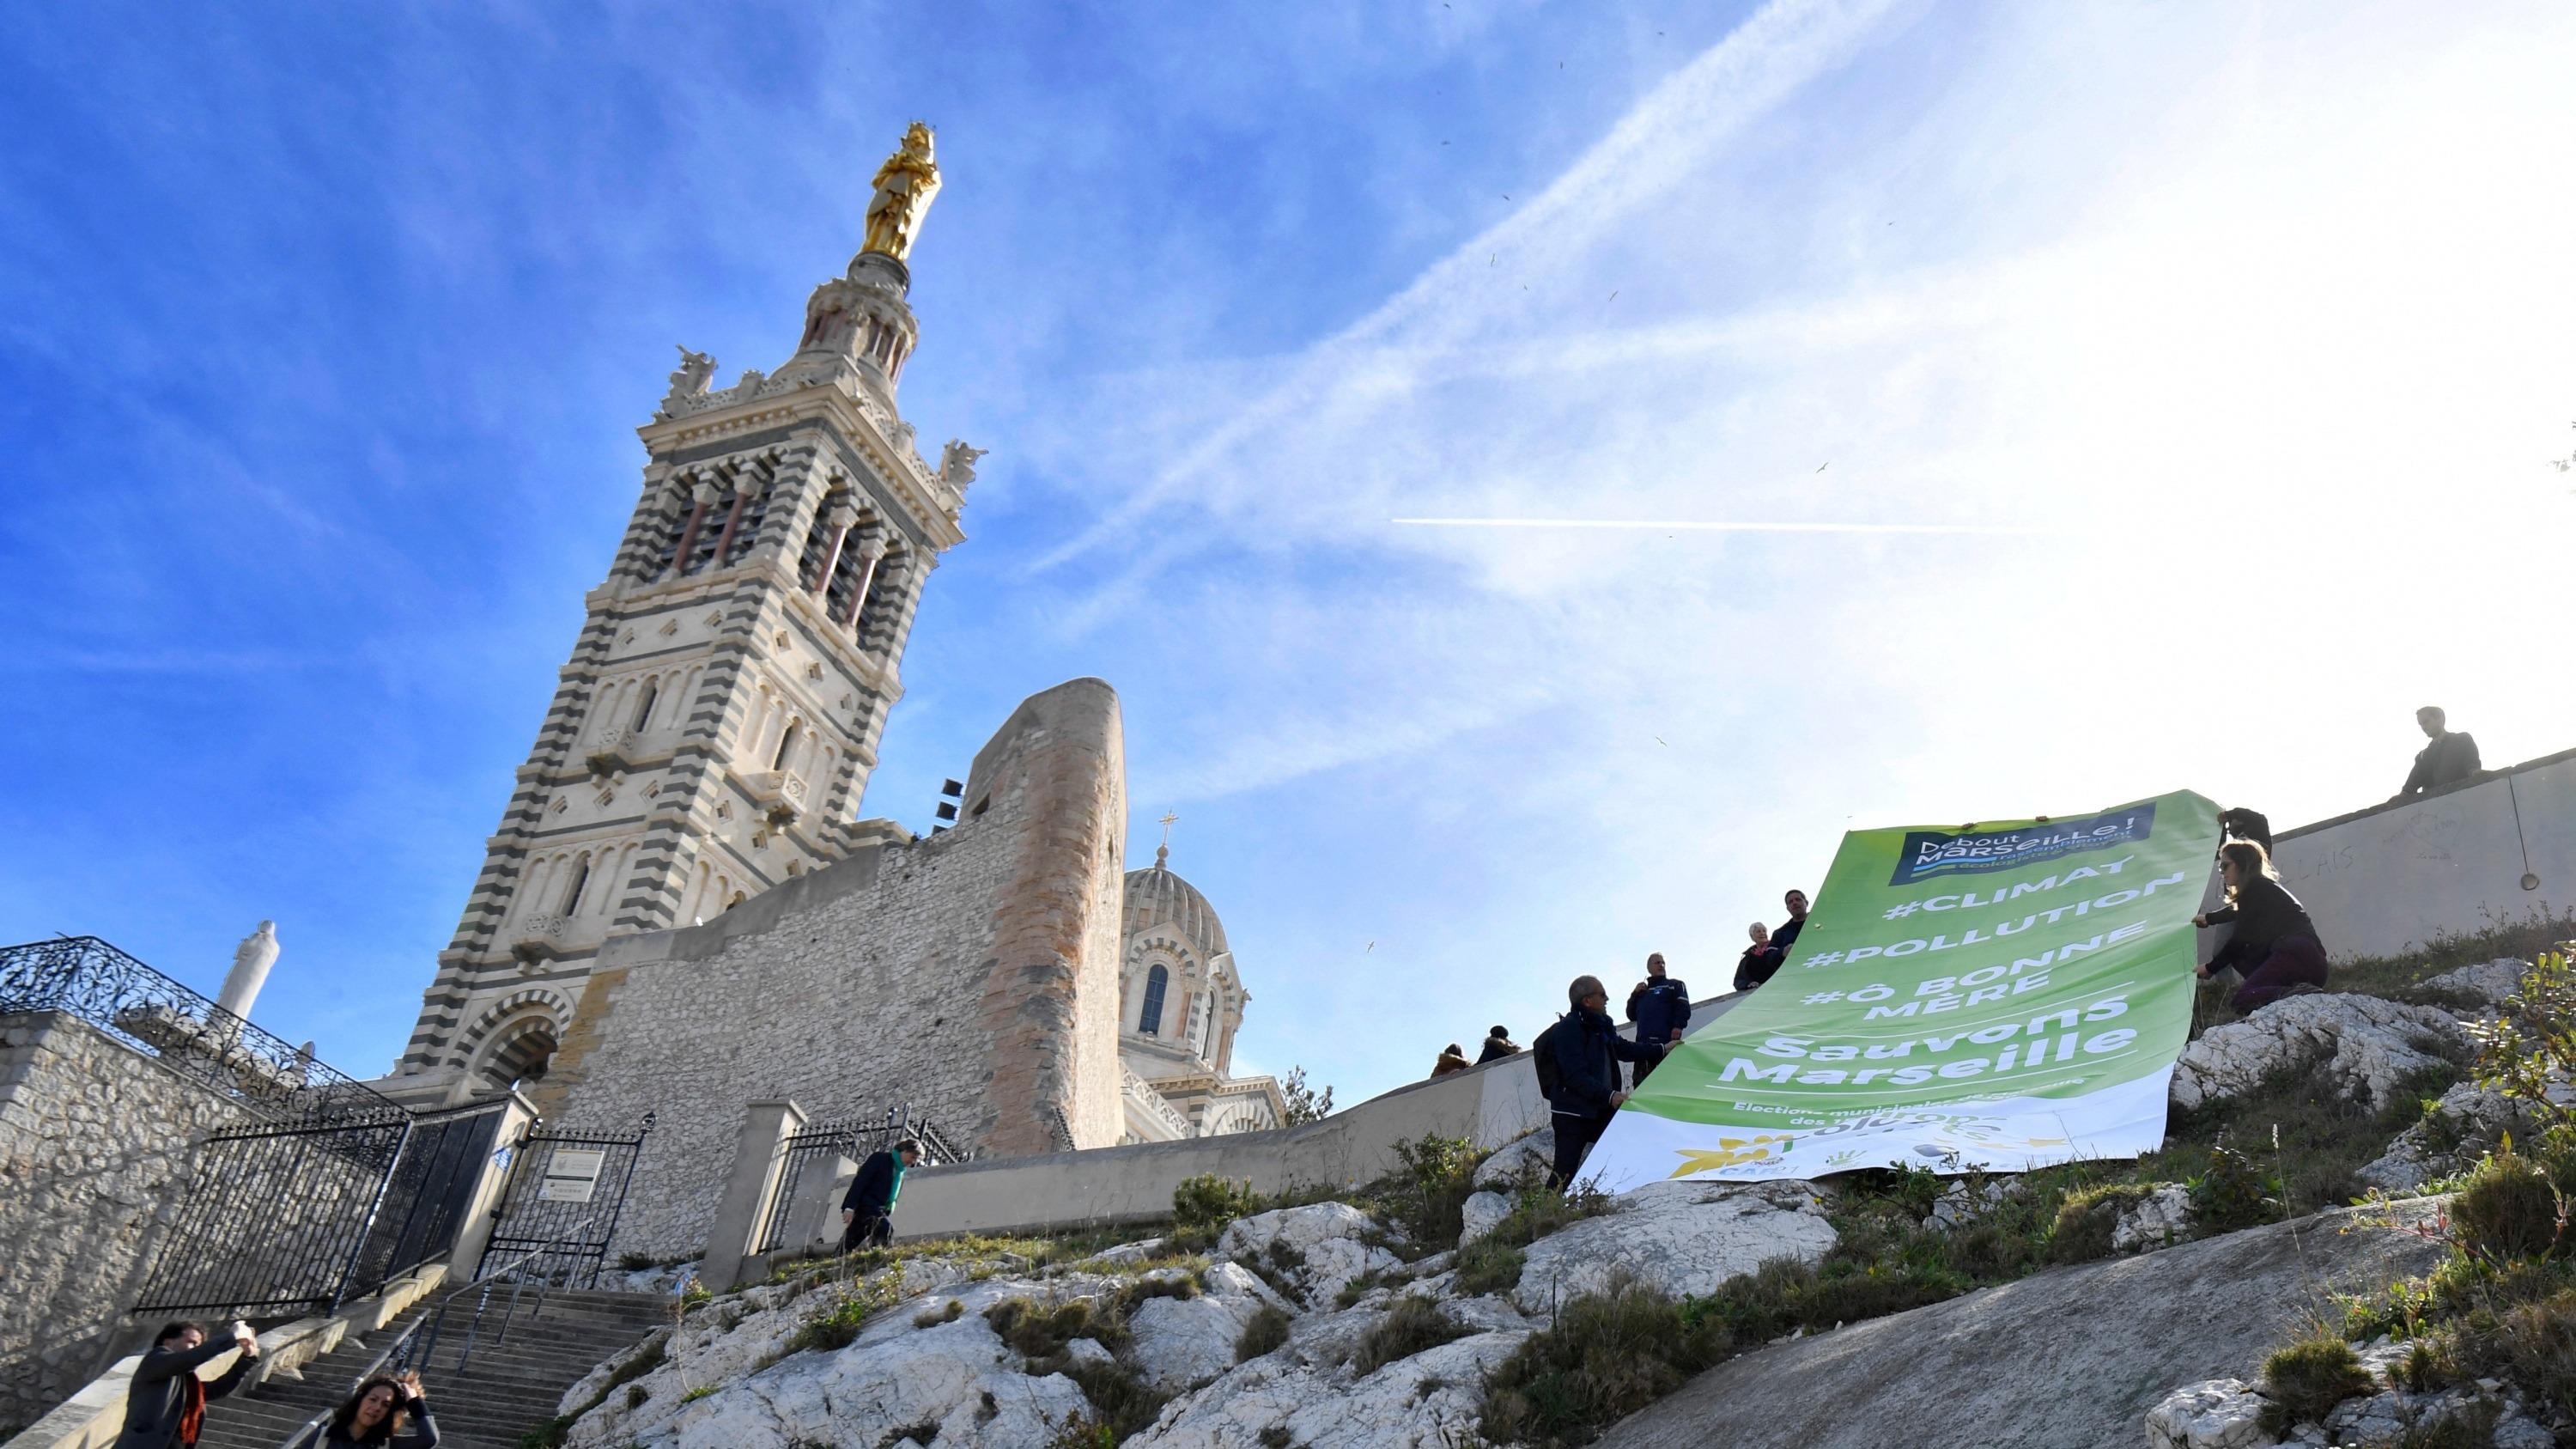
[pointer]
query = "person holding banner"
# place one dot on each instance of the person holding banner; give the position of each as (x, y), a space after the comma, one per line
(1579, 1071)
(2272, 929)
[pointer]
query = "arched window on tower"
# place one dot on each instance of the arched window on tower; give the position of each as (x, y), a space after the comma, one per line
(644, 710)
(786, 742)
(1149, 1022)
(580, 879)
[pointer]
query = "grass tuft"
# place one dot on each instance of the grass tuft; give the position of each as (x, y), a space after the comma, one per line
(1266, 1333)
(1413, 1325)
(2310, 1377)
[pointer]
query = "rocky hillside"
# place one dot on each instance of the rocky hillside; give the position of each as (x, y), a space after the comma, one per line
(1460, 1303)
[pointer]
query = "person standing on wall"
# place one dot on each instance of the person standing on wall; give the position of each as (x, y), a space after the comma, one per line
(1786, 935)
(867, 1210)
(1498, 1045)
(2276, 945)
(2450, 758)
(165, 1408)
(1660, 1006)
(1757, 963)
(1578, 1072)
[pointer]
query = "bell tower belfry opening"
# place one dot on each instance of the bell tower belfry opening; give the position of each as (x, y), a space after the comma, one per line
(714, 729)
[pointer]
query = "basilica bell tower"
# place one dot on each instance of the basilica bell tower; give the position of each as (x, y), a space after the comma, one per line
(714, 729)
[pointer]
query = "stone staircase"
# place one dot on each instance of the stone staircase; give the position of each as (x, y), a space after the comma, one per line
(510, 1387)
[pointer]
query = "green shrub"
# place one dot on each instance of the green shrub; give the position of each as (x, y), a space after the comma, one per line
(2508, 1210)
(2308, 1378)
(1489, 1265)
(2233, 1193)
(1208, 1202)
(2088, 1217)
(702, 1391)
(837, 1327)
(1608, 1355)
(1267, 1331)
(1423, 1196)
(637, 1396)
(1413, 1325)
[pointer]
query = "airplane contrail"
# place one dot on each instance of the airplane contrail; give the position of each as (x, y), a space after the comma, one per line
(1695, 525)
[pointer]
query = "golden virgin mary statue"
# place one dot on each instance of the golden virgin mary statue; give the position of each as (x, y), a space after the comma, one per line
(904, 186)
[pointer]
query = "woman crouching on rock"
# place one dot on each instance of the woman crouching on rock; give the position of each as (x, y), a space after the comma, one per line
(2273, 931)
(385, 1410)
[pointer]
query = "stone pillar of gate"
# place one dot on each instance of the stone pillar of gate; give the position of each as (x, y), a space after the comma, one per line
(750, 1190)
(465, 1260)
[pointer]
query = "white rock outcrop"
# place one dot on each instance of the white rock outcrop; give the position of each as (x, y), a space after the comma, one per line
(1180, 1343)
(1678, 1237)
(1521, 1162)
(2489, 983)
(1961, 1204)
(2360, 1047)
(1319, 1248)
(1481, 1213)
(2462, 1126)
(1428, 1401)
(2212, 1414)
(2159, 1220)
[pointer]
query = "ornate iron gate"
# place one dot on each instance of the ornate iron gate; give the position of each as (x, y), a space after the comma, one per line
(288, 1219)
(273, 1218)
(566, 1191)
(820, 1145)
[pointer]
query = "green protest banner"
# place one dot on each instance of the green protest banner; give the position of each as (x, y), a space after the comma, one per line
(2001, 995)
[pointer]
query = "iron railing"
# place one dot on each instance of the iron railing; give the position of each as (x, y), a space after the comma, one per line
(415, 1346)
(823, 1142)
(565, 1194)
(92, 980)
(291, 1219)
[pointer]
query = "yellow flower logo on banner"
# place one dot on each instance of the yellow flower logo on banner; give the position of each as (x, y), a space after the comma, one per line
(1729, 1152)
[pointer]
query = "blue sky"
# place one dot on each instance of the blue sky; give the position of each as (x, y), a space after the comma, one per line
(324, 330)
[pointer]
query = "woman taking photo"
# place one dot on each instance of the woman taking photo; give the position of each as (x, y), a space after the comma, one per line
(2275, 943)
(384, 1411)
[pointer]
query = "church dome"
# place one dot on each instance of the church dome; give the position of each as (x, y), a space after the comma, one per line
(1157, 897)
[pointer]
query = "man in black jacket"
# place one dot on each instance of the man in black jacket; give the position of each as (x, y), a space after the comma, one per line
(1660, 1006)
(1762, 960)
(1587, 1049)
(165, 1407)
(2450, 758)
(867, 1211)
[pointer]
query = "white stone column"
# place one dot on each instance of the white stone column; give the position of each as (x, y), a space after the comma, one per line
(251, 960)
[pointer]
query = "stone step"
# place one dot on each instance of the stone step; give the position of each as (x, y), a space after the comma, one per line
(521, 1366)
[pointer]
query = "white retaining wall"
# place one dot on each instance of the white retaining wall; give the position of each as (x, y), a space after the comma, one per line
(2392, 878)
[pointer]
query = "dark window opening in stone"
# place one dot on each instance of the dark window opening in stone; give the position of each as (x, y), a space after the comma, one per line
(1157, 981)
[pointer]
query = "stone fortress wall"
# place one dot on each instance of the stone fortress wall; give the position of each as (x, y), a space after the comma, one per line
(973, 974)
(97, 1143)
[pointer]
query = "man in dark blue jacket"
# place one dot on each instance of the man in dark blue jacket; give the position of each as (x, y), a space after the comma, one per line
(867, 1211)
(1586, 1049)
(1660, 1006)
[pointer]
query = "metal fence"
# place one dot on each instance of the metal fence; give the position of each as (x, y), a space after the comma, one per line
(819, 1147)
(566, 1191)
(88, 978)
(294, 1219)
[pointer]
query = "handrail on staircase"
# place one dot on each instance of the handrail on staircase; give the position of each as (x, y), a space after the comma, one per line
(399, 1354)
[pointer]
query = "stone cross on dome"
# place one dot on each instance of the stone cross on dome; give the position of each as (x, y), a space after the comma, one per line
(1163, 852)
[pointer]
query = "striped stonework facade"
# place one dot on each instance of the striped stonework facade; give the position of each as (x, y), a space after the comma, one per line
(714, 729)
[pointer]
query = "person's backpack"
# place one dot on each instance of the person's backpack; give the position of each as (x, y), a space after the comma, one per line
(1544, 1049)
